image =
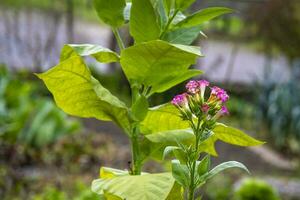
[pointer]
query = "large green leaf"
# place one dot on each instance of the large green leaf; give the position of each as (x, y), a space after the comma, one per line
(100, 53)
(143, 21)
(172, 136)
(234, 136)
(158, 64)
(111, 12)
(143, 187)
(78, 93)
(162, 118)
(223, 166)
(183, 35)
(202, 16)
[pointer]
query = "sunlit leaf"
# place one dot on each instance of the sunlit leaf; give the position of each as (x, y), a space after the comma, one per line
(202, 16)
(163, 118)
(234, 136)
(143, 21)
(183, 4)
(100, 53)
(78, 93)
(142, 187)
(111, 12)
(158, 64)
(172, 137)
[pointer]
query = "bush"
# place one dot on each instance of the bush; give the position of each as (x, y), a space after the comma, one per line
(254, 189)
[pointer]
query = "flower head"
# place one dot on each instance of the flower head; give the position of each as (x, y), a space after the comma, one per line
(220, 93)
(180, 100)
(224, 110)
(192, 87)
(203, 84)
(205, 108)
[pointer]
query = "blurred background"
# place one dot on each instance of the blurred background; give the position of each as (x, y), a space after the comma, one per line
(253, 53)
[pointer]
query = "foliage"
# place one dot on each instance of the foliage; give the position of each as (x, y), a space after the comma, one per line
(280, 110)
(255, 189)
(152, 65)
(35, 122)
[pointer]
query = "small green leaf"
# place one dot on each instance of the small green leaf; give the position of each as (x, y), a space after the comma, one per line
(140, 108)
(183, 4)
(162, 118)
(143, 21)
(234, 136)
(180, 173)
(111, 12)
(184, 36)
(208, 146)
(202, 16)
(77, 93)
(203, 165)
(101, 54)
(223, 166)
(168, 150)
(142, 187)
(158, 64)
(107, 172)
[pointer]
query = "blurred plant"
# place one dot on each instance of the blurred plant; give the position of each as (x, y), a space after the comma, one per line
(26, 117)
(219, 188)
(255, 189)
(280, 111)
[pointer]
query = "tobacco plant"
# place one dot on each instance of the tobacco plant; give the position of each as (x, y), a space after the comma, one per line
(159, 59)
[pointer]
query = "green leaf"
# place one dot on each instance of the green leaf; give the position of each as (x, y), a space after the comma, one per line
(100, 53)
(107, 172)
(234, 136)
(162, 118)
(180, 173)
(172, 137)
(183, 4)
(140, 108)
(183, 35)
(203, 165)
(223, 166)
(158, 64)
(111, 12)
(208, 146)
(143, 21)
(161, 14)
(202, 16)
(143, 187)
(168, 150)
(176, 193)
(77, 93)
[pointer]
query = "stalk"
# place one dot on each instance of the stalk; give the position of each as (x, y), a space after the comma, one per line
(135, 150)
(169, 23)
(119, 39)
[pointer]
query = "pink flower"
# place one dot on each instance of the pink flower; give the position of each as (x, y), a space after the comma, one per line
(220, 93)
(203, 84)
(224, 110)
(205, 108)
(192, 87)
(180, 100)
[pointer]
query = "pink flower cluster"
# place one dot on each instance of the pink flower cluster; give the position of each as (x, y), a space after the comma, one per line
(194, 101)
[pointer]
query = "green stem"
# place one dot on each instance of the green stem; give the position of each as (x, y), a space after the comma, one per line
(135, 149)
(192, 186)
(169, 23)
(119, 39)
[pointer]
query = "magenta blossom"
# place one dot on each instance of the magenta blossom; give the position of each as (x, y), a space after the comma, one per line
(203, 84)
(220, 93)
(205, 108)
(192, 87)
(180, 100)
(224, 110)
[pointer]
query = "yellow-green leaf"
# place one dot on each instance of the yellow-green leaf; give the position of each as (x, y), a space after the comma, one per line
(78, 93)
(234, 136)
(100, 53)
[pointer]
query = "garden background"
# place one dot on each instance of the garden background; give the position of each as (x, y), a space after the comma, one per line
(254, 53)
